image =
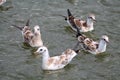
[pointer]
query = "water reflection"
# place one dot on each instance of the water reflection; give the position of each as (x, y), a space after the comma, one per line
(102, 57)
(2, 8)
(53, 72)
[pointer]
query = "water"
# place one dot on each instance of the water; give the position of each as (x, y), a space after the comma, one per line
(17, 61)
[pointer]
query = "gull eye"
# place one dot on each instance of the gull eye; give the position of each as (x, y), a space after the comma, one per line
(104, 39)
(41, 49)
(90, 17)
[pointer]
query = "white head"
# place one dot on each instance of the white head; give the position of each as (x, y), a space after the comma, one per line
(41, 50)
(92, 17)
(105, 38)
(37, 29)
(103, 43)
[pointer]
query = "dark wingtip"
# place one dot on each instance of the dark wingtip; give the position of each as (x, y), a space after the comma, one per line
(65, 18)
(77, 51)
(28, 22)
(78, 31)
(69, 13)
(17, 27)
(78, 34)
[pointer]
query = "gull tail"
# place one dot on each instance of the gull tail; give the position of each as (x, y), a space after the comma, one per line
(69, 13)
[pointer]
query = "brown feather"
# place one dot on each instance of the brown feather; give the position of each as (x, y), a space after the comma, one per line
(80, 23)
(50, 61)
(84, 24)
(68, 51)
(61, 60)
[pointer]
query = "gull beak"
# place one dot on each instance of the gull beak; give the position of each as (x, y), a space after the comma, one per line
(37, 52)
(94, 20)
(106, 40)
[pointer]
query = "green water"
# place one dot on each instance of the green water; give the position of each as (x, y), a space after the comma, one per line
(17, 61)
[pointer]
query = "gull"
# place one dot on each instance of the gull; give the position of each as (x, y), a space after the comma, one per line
(83, 25)
(56, 62)
(33, 38)
(94, 47)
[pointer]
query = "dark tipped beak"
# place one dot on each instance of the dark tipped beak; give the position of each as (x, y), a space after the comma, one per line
(94, 20)
(106, 40)
(36, 53)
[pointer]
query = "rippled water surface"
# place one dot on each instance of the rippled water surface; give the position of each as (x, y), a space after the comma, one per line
(17, 61)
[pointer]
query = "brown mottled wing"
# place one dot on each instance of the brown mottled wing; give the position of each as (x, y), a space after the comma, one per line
(71, 21)
(93, 46)
(80, 23)
(84, 24)
(87, 43)
(57, 60)
(63, 60)
(28, 34)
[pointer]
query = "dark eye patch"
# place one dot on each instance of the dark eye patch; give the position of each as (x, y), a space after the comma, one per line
(90, 17)
(38, 29)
